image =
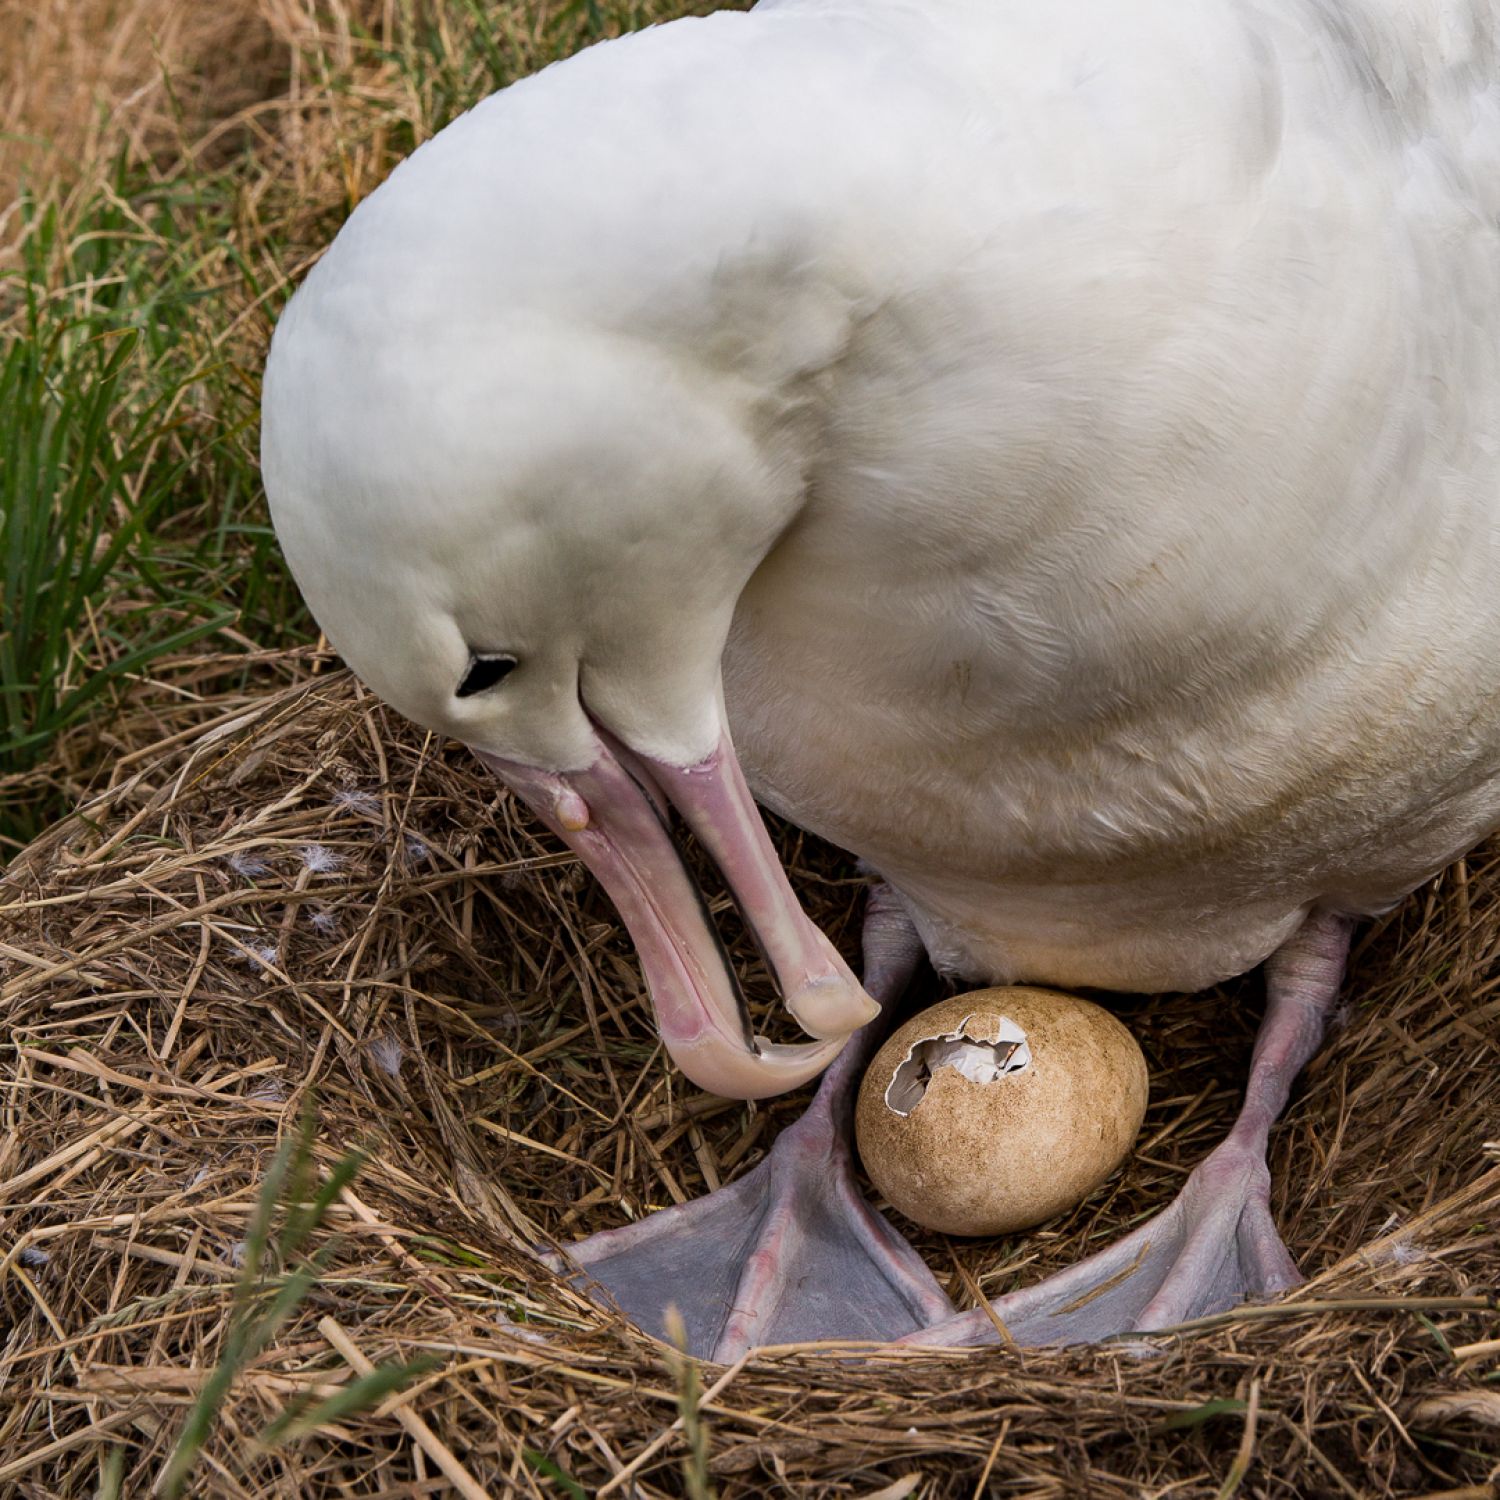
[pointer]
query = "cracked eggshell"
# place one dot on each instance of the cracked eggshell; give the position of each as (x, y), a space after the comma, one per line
(988, 1157)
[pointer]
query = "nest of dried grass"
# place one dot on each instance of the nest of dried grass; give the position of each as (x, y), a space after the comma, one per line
(309, 898)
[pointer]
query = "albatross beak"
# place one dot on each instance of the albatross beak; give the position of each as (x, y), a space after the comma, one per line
(609, 815)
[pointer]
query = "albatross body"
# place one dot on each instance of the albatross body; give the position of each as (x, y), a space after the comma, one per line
(1053, 454)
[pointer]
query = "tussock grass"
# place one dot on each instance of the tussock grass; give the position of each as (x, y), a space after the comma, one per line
(85, 80)
(176, 168)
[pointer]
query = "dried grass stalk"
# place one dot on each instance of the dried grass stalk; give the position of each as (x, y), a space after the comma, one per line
(312, 898)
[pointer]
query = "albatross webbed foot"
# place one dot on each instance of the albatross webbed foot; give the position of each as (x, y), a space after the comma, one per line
(1216, 1244)
(791, 1251)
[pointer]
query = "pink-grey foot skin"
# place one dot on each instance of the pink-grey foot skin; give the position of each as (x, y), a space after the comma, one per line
(792, 1251)
(1216, 1245)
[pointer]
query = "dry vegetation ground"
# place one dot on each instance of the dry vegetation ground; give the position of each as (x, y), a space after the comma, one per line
(280, 899)
(313, 900)
(84, 77)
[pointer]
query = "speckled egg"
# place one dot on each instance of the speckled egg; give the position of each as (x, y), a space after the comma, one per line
(1000, 1108)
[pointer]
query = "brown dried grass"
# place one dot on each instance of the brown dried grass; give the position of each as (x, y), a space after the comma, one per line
(182, 970)
(86, 78)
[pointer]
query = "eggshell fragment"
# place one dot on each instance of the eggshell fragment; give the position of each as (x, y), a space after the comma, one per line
(1000, 1108)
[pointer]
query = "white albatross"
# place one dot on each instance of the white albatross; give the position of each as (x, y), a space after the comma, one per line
(1053, 450)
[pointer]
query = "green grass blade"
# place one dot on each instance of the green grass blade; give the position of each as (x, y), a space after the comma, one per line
(549, 1468)
(301, 1222)
(359, 1395)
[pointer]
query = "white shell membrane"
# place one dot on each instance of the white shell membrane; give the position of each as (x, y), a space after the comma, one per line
(980, 1060)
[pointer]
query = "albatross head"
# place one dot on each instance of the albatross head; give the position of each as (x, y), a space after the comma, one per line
(531, 535)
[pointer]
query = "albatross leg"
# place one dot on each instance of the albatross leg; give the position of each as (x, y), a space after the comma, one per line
(791, 1251)
(1216, 1244)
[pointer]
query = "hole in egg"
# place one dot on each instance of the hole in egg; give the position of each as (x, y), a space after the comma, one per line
(981, 1059)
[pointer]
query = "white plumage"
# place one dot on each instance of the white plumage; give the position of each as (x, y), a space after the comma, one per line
(1062, 442)
(1137, 401)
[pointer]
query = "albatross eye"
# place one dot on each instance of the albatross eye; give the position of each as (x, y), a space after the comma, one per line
(484, 672)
